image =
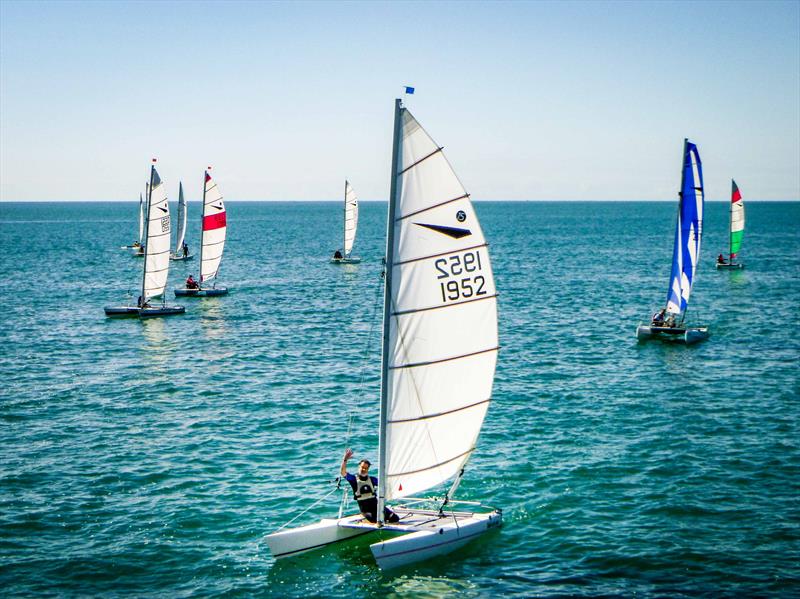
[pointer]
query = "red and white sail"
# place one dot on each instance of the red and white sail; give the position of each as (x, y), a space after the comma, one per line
(215, 226)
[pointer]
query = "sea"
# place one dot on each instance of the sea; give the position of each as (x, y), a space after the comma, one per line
(150, 458)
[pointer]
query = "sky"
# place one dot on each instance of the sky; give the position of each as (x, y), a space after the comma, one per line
(531, 100)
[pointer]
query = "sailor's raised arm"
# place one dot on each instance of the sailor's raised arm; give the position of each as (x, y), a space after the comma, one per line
(348, 453)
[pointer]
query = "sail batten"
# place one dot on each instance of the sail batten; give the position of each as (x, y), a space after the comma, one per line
(439, 364)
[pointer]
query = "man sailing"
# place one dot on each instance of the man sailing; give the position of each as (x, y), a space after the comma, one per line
(365, 490)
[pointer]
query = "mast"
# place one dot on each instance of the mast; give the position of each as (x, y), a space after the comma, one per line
(202, 218)
(387, 309)
(147, 229)
(344, 227)
(730, 226)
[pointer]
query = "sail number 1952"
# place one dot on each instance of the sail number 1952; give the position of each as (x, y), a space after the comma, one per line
(460, 270)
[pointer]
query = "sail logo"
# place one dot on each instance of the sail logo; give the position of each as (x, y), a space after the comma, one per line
(454, 232)
(461, 216)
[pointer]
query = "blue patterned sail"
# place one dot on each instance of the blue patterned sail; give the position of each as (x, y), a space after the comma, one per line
(688, 231)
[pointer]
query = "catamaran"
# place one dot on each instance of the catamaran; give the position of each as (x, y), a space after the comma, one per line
(213, 228)
(157, 229)
(737, 230)
(668, 324)
(350, 227)
(181, 249)
(437, 367)
(136, 245)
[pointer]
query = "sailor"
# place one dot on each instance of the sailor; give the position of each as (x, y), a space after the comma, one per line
(658, 317)
(337, 255)
(720, 259)
(191, 283)
(185, 250)
(365, 490)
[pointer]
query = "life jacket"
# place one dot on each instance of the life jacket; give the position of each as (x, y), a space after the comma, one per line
(364, 489)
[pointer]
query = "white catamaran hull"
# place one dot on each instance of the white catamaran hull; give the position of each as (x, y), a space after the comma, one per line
(687, 335)
(205, 292)
(345, 260)
(420, 535)
(729, 266)
(179, 257)
(295, 541)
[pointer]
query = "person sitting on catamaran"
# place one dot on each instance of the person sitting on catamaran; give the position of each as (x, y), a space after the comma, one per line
(337, 255)
(365, 490)
(720, 259)
(191, 283)
(658, 317)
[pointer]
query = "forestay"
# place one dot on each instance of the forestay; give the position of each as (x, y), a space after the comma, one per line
(350, 218)
(442, 338)
(214, 227)
(182, 218)
(688, 232)
(157, 240)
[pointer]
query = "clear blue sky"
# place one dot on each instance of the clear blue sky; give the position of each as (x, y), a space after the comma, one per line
(532, 100)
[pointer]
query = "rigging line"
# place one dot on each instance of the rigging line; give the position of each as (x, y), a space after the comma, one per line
(317, 502)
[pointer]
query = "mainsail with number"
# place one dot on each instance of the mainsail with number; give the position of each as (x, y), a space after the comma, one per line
(688, 231)
(440, 339)
(214, 228)
(157, 239)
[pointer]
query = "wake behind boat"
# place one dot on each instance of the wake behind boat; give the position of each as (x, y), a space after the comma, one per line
(343, 256)
(156, 257)
(737, 231)
(437, 365)
(668, 323)
(213, 230)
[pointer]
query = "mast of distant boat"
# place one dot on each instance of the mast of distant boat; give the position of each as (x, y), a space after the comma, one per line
(202, 221)
(344, 227)
(387, 311)
(147, 232)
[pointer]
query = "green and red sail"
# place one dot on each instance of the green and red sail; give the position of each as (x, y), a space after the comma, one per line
(737, 220)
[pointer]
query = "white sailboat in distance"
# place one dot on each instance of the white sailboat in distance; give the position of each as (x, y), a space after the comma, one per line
(213, 230)
(157, 228)
(343, 256)
(437, 368)
(181, 249)
(136, 245)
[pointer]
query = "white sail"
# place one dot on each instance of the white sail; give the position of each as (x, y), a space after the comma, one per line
(214, 227)
(182, 219)
(350, 218)
(157, 240)
(141, 212)
(442, 337)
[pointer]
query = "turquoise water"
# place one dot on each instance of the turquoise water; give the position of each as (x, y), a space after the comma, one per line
(150, 458)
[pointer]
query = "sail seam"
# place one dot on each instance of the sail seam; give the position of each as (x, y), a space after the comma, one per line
(404, 312)
(205, 245)
(167, 251)
(428, 416)
(159, 270)
(474, 247)
(461, 455)
(461, 197)
(475, 353)
(420, 160)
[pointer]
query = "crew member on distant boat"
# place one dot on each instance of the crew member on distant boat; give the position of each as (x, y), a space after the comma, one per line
(365, 490)
(337, 255)
(658, 317)
(185, 250)
(191, 283)
(720, 259)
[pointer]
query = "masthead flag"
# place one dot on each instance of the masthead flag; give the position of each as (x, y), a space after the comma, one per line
(409, 90)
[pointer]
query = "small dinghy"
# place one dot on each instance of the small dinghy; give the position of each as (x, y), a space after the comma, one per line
(136, 245)
(350, 228)
(181, 249)
(213, 230)
(737, 231)
(156, 257)
(437, 365)
(668, 324)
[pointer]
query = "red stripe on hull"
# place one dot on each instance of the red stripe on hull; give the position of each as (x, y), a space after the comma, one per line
(214, 221)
